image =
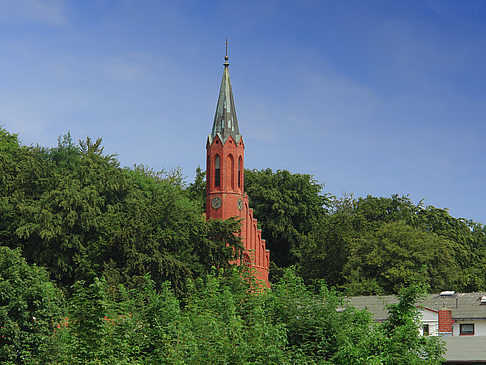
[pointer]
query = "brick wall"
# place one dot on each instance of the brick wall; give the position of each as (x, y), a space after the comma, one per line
(230, 191)
(445, 321)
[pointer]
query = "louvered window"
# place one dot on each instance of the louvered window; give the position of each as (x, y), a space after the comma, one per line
(217, 171)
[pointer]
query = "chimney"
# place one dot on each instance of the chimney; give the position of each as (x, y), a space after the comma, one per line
(445, 322)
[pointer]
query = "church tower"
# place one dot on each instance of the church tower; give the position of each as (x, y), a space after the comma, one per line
(225, 192)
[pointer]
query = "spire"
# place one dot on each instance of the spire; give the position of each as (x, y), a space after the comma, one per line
(225, 121)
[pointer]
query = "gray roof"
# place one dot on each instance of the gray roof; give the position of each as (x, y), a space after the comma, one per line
(463, 305)
(465, 348)
(225, 121)
(374, 304)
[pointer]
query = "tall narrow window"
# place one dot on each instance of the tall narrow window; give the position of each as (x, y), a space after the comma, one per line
(217, 171)
(239, 172)
(426, 329)
(231, 167)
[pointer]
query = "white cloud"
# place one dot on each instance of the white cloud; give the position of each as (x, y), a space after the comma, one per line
(45, 12)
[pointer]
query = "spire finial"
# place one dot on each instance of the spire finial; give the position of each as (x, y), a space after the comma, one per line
(226, 58)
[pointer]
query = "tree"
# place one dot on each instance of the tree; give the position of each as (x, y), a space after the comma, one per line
(403, 343)
(376, 210)
(289, 207)
(30, 305)
(86, 326)
(470, 250)
(221, 320)
(396, 255)
(73, 210)
(327, 247)
(323, 329)
(339, 247)
(326, 250)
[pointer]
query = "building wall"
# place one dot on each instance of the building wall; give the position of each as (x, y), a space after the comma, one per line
(259, 256)
(431, 318)
(479, 327)
(230, 192)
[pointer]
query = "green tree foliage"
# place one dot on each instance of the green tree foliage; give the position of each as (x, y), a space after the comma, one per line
(73, 210)
(87, 334)
(402, 342)
(376, 210)
(470, 237)
(327, 247)
(396, 255)
(317, 332)
(218, 323)
(288, 206)
(30, 305)
(377, 245)
(223, 321)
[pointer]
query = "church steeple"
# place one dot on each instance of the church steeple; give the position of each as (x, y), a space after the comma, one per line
(225, 179)
(225, 122)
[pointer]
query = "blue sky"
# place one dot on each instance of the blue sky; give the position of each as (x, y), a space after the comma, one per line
(371, 97)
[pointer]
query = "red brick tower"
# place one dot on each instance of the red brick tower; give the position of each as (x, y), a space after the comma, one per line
(225, 193)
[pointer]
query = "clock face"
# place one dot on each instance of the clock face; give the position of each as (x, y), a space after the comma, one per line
(239, 204)
(216, 202)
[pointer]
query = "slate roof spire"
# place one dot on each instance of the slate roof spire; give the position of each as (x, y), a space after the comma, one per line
(225, 121)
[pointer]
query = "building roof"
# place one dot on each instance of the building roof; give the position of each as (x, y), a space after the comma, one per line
(465, 349)
(464, 306)
(225, 121)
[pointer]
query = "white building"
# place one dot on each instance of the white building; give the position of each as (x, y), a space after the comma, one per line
(459, 317)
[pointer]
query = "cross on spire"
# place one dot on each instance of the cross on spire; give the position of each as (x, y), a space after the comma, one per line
(226, 43)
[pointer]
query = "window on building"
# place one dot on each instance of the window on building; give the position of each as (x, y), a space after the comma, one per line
(239, 172)
(426, 330)
(217, 171)
(467, 329)
(246, 259)
(231, 167)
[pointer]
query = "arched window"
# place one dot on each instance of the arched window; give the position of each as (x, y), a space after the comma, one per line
(239, 172)
(217, 171)
(231, 167)
(255, 242)
(246, 259)
(247, 227)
